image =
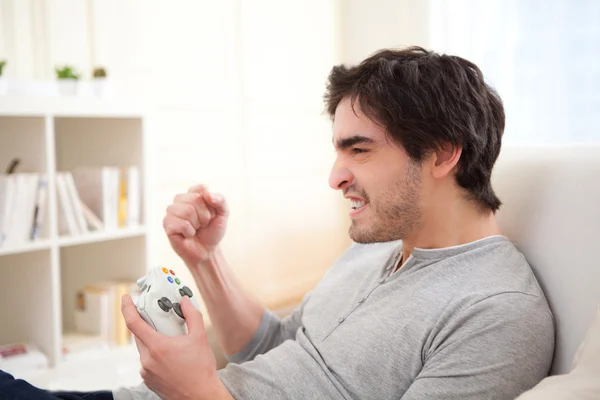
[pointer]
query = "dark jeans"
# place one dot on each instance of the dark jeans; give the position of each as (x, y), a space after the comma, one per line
(18, 389)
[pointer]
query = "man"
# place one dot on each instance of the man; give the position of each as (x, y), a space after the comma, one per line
(430, 302)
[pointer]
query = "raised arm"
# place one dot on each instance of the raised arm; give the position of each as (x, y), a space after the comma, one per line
(195, 223)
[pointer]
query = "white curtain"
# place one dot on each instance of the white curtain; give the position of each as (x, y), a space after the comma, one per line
(543, 57)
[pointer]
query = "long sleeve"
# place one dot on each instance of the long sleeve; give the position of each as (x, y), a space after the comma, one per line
(292, 370)
(271, 332)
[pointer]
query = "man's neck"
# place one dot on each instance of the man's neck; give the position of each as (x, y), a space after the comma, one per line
(453, 224)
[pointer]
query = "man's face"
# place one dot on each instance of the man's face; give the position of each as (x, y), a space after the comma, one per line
(383, 184)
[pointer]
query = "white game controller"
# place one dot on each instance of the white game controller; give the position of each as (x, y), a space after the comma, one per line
(159, 303)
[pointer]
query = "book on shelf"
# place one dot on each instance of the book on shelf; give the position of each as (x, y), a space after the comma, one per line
(87, 199)
(108, 196)
(68, 207)
(39, 214)
(98, 311)
(23, 202)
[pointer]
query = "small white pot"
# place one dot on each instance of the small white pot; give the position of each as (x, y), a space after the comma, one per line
(67, 87)
(100, 86)
(3, 86)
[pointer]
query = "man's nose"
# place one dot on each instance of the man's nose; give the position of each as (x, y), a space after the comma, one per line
(340, 176)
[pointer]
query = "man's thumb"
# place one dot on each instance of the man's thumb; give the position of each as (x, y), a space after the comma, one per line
(217, 201)
(193, 316)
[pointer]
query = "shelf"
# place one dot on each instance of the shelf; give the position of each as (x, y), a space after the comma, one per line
(43, 244)
(76, 106)
(52, 134)
(94, 237)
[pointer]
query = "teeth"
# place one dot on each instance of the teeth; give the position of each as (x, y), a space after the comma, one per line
(357, 204)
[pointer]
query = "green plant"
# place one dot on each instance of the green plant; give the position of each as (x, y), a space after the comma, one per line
(2, 64)
(66, 72)
(99, 72)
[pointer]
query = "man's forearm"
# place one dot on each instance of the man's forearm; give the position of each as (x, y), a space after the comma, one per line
(234, 314)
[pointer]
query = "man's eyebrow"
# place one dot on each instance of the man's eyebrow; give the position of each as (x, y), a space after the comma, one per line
(348, 142)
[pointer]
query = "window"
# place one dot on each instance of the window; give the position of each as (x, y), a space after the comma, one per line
(542, 56)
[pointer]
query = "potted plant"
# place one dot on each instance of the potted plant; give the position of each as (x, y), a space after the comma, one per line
(99, 76)
(3, 81)
(67, 80)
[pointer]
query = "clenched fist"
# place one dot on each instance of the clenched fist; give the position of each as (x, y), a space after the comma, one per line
(195, 224)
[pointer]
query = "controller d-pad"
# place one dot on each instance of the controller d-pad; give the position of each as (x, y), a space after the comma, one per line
(185, 291)
(177, 309)
(165, 304)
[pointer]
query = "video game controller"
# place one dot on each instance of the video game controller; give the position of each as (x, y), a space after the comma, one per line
(159, 303)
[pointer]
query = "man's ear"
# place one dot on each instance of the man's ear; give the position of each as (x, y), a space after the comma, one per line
(445, 158)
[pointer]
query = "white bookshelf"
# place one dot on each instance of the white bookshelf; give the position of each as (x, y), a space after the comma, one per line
(40, 278)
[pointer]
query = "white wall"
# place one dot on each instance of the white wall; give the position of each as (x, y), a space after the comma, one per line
(374, 24)
(237, 90)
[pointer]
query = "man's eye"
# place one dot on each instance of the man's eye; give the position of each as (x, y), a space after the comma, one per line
(356, 150)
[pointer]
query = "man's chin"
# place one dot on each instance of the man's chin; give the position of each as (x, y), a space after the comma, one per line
(366, 236)
(362, 236)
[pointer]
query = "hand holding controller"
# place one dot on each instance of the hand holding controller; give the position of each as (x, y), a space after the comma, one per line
(159, 303)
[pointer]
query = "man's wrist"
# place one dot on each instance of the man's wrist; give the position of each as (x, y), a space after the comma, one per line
(209, 274)
(209, 262)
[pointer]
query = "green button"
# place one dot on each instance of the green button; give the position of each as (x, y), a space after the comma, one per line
(177, 281)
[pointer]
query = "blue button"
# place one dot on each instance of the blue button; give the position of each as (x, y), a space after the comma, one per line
(170, 279)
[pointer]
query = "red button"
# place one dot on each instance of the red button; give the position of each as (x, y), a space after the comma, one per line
(171, 271)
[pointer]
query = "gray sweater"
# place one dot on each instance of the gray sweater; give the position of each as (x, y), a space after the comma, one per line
(465, 322)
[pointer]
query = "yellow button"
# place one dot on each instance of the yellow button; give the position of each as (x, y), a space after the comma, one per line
(166, 271)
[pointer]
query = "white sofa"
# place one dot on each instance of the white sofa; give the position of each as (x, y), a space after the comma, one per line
(551, 211)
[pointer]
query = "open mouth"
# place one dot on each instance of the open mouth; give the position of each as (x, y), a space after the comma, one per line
(357, 206)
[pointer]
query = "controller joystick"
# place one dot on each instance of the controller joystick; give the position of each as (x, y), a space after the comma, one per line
(159, 303)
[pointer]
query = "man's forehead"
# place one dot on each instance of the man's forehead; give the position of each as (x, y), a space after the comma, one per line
(349, 123)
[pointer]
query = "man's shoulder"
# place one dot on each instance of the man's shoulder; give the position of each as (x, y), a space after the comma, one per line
(495, 267)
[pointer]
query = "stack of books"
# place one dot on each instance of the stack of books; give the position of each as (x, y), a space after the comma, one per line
(98, 313)
(23, 201)
(97, 198)
(88, 199)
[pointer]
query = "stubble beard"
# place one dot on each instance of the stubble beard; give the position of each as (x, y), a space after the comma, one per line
(395, 214)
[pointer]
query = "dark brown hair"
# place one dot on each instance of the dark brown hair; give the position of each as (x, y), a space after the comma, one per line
(424, 101)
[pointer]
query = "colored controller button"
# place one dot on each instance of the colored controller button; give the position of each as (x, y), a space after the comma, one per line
(171, 271)
(177, 281)
(166, 271)
(177, 309)
(185, 291)
(170, 279)
(165, 304)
